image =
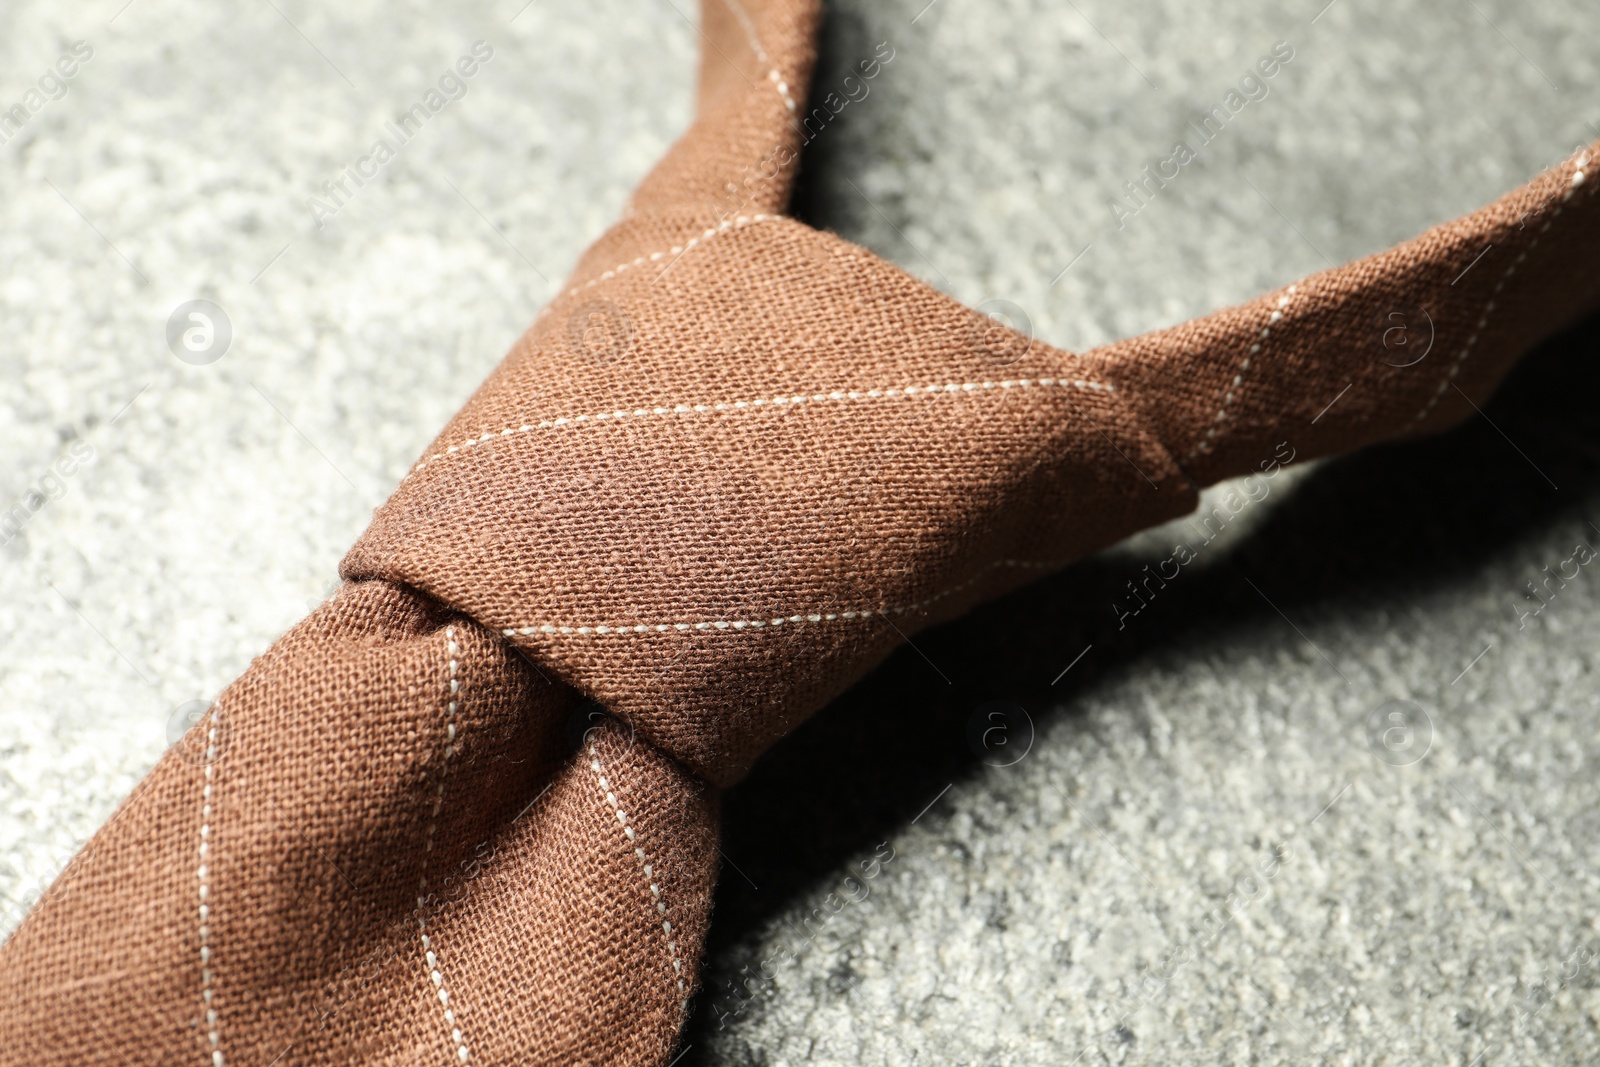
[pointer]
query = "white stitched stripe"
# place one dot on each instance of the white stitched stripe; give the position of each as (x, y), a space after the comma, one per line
(649, 876)
(838, 395)
(738, 222)
(773, 76)
(1456, 364)
(203, 874)
(1238, 378)
(773, 623)
(429, 950)
(782, 86)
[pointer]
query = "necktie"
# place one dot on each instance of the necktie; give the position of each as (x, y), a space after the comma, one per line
(467, 811)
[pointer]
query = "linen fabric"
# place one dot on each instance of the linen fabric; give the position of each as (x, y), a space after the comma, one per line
(467, 811)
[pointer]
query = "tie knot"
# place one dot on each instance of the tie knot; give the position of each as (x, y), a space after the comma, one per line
(724, 474)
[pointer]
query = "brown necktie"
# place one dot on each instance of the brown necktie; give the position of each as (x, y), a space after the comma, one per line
(467, 811)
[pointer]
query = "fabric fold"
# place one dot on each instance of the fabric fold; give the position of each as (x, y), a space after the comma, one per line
(1400, 344)
(798, 457)
(380, 844)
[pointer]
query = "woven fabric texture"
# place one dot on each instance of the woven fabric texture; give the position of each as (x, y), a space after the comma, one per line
(467, 811)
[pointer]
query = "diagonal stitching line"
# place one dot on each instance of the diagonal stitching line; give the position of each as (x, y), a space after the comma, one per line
(720, 407)
(203, 876)
(785, 620)
(739, 222)
(615, 807)
(430, 957)
(1244, 368)
(773, 76)
(1574, 183)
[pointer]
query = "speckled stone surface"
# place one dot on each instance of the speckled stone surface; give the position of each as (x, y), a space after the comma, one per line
(1207, 841)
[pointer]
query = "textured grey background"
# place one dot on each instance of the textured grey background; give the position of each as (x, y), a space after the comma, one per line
(1444, 911)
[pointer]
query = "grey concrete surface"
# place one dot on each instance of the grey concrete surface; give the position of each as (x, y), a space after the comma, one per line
(1218, 847)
